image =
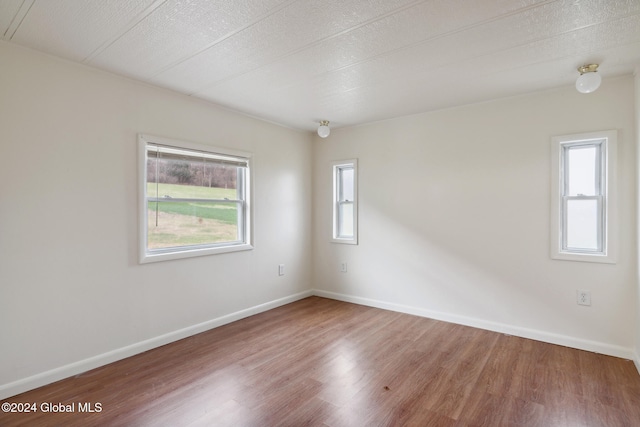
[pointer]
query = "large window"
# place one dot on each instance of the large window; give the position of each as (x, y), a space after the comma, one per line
(583, 203)
(345, 202)
(194, 200)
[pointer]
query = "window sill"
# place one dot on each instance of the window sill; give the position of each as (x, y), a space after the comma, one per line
(573, 256)
(167, 256)
(345, 241)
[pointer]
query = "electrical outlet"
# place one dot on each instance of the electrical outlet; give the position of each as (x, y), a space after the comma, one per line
(343, 267)
(281, 270)
(584, 297)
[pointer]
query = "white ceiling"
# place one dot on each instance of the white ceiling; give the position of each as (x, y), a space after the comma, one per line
(296, 62)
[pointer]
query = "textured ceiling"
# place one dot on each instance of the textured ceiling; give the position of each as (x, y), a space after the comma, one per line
(347, 61)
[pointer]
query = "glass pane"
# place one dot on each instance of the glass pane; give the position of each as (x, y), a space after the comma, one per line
(191, 178)
(174, 224)
(346, 184)
(581, 163)
(152, 190)
(345, 220)
(582, 224)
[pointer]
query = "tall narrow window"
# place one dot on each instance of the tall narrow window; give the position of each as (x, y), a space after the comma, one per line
(584, 197)
(345, 202)
(194, 200)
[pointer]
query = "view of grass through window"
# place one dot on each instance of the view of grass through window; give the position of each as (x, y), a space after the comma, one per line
(191, 201)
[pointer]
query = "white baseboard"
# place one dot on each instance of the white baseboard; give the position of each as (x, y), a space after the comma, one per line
(564, 340)
(48, 377)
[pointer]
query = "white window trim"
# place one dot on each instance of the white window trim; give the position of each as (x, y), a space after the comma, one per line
(334, 203)
(609, 253)
(143, 255)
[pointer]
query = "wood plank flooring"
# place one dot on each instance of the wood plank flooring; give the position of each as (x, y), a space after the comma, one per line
(319, 362)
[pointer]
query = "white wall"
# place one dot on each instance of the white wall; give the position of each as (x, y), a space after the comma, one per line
(637, 111)
(454, 218)
(71, 288)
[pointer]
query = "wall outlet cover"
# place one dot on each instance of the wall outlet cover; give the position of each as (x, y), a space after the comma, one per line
(583, 297)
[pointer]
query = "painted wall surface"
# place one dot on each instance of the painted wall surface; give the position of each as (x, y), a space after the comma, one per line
(71, 287)
(637, 112)
(454, 218)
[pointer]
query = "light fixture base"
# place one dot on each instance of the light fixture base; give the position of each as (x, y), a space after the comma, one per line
(589, 68)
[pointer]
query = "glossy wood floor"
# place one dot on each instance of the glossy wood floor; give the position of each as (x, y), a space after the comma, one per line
(319, 362)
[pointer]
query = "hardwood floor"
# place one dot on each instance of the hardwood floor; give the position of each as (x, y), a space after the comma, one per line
(319, 362)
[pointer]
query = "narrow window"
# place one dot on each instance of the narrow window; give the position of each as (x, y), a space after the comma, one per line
(194, 200)
(345, 202)
(583, 197)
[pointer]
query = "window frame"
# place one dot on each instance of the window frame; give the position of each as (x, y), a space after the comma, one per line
(337, 167)
(179, 252)
(605, 197)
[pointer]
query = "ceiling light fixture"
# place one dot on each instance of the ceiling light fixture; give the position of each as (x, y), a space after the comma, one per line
(589, 79)
(323, 129)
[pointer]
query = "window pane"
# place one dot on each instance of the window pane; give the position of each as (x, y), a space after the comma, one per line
(582, 224)
(581, 176)
(174, 224)
(346, 184)
(152, 164)
(190, 178)
(345, 220)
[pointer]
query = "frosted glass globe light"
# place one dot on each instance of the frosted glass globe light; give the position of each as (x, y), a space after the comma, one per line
(589, 79)
(323, 129)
